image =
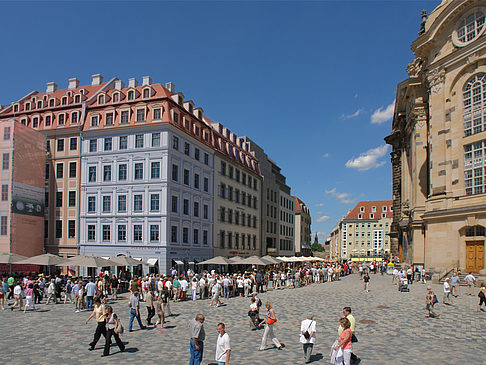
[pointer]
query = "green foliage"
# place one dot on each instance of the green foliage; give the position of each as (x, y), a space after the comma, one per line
(317, 247)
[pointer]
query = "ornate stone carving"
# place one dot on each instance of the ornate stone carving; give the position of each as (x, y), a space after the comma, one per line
(414, 68)
(436, 80)
(473, 58)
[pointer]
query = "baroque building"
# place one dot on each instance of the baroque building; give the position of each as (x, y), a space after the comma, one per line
(302, 228)
(439, 142)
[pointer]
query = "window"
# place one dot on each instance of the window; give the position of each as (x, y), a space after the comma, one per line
(230, 216)
(109, 119)
(196, 181)
(157, 113)
(185, 235)
(122, 203)
(106, 232)
(155, 170)
(35, 122)
(372, 216)
(197, 153)
(221, 239)
(468, 29)
(139, 141)
(58, 229)
(175, 142)
(176, 118)
(230, 193)
(186, 177)
(71, 229)
(93, 145)
(361, 209)
(91, 232)
(124, 116)
(3, 225)
(131, 95)
(106, 204)
(230, 240)
(107, 173)
(237, 175)
(474, 104)
(92, 174)
(60, 119)
(222, 191)
(154, 202)
(474, 167)
(230, 172)
(175, 172)
(185, 207)
(146, 93)
(74, 117)
(155, 139)
(205, 211)
(174, 204)
(73, 144)
(195, 239)
(475, 231)
(154, 233)
(384, 208)
(64, 100)
(187, 149)
(243, 181)
(122, 233)
(205, 237)
(373, 209)
(48, 120)
(94, 121)
(223, 168)
(72, 199)
(137, 233)
(206, 159)
(123, 143)
(59, 170)
(77, 99)
(60, 145)
(137, 203)
(91, 204)
(140, 115)
(4, 192)
(139, 171)
(173, 234)
(206, 184)
(5, 161)
(108, 143)
(122, 172)
(196, 209)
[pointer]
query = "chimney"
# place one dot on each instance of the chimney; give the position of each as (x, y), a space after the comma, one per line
(51, 87)
(132, 82)
(73, 83)
(146, 80)
(96, 79)
(119, 84)
(170, 86)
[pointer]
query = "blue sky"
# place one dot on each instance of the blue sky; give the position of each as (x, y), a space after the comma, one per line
(311, 82)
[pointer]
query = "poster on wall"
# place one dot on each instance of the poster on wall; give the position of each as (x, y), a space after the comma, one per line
(27, 199)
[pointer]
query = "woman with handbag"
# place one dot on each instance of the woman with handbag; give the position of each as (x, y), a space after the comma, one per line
(269, 322)
(113, 328)
(308, 336)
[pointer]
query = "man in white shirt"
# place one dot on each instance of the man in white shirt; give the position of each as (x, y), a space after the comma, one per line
(395, 276)
(215, 293)
(184, 286)
(226, 283)
(470, 280)
(447, 292)
(308, 336)
(18, 297)
(223, 348)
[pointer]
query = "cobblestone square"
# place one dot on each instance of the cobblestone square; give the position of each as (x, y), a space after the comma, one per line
(400, 334)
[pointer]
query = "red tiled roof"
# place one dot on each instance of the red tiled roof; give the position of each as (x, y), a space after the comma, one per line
(298, 204)
(367, 209)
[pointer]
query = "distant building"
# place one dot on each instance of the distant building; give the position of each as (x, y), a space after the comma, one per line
(302, 228)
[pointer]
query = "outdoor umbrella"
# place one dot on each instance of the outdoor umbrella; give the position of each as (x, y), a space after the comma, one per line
(218, 260)
(127, 261)
(235, 259)
(46, 259)
(271, 259)
(87, 261)
(11, 258)
(254, 260)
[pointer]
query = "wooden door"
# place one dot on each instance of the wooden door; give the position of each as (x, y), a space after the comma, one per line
(474, 256)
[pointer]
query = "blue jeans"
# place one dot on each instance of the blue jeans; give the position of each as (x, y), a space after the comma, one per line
(133, 314)
(226, 291)
(89, 302)
(196, 355)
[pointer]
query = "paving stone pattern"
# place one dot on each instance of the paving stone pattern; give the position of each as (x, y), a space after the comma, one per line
(400, 334)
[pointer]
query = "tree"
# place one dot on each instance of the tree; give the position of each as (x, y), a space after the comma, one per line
(316, 246)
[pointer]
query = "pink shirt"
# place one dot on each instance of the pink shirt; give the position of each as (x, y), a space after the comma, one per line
(29, 292)
(347, 345)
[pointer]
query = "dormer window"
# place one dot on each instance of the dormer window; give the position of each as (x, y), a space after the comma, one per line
(64, 100)
(16, 108)
(146, 93)
(373, 209)
(372, 216)
(39, 105)
(109, 119)
(116, 97)
(27, 106)
(140, 115)
(94, 121)
(60, 119)
(77, 99)
(74, 118)
(157, 113)
(35, 122)
(384, 208)
(360, 216)
(125, 116)
(47, 121)
(383, 215)
(23, 121)
(101, 99)
(131, 95)
(361, 209)
(176, 118)
(51, 103)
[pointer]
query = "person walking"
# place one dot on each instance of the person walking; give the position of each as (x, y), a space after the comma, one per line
(223, 347)
(90, 289)
(366, 281)
(342, 347)
(29, 296)
(430, 300)
(447, 292)
(2, 297)
(194, 286)
(253, 314)
(99, 314)
(308, 336)
(470, 280)
(135, 311)
(197, 337)
(112, 325)
(455, 285)
(149, 303)
(482, 297)
(269, 322)
(17, 291)
(51, 292)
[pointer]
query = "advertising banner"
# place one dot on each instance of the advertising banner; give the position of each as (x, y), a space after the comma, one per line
(27, 199)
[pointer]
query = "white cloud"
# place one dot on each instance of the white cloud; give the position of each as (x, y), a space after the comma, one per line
(322, 218)
(325, 155)
(319, 212)
(354, 115)
(344, 198)
(369, 159)
(356, 96)
(319, 205)
(382, 114)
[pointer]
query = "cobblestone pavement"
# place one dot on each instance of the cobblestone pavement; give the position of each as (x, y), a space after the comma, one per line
(399, 334)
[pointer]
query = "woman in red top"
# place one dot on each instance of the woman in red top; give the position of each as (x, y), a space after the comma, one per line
(344, 342)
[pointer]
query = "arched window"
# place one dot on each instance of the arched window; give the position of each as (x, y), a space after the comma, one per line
(475, 231)
(474, 104)
(130, 95)
(101, 99)
(146, 93)
(468, 28)
(116, 97)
